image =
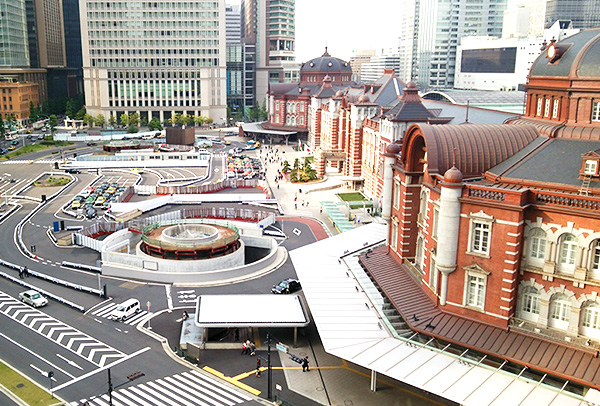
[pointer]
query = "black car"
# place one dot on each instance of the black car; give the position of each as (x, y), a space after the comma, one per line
(91, 144)
(90, 213)
(72, 170)
(287, 286)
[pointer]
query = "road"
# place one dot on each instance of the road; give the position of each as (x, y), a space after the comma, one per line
(79, 347)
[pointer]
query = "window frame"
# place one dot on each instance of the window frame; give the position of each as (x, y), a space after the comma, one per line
(480, 278)
(538, 244)
(595, 111)
(559, 312)
(478, 223)
(590, 319)
(530, 300)
(590, 167)
(394, 236)
(396, 194)
(555, 106)
(567, 253)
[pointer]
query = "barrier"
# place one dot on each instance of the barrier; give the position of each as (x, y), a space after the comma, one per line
(43, 292)
(57, 281)
(81, 266)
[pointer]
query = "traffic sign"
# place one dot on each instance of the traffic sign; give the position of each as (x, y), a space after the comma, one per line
(282, 347)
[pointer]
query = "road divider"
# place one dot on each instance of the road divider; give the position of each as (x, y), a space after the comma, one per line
(82, 266)
(42, 291)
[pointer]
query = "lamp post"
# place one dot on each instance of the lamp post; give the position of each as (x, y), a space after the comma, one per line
(269, 370)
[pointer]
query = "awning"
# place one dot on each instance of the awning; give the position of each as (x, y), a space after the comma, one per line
(347, 309)
(250, 311)
(258, 129)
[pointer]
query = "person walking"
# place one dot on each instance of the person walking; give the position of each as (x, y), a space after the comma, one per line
(26, 272)
(20, 273)
(305, 364)
(252, 349)
(258, 367)
(246, 347)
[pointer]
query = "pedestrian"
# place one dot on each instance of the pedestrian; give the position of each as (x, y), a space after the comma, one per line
(20, 273)
(252, 349)
(296, 206)
(26, 272)
(321, 210)
(258, 367)
(305, 364)
(244, 348)
(277, 185)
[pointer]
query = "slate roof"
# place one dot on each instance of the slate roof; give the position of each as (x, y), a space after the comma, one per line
(580, 56)
(424, 316)
(326, 64)
(476, 115)
(548, 160)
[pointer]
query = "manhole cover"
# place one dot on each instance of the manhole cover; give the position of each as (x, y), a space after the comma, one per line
(348, 402)
(20, 385)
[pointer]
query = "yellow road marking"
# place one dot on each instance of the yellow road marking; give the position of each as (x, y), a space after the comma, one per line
(232, 381)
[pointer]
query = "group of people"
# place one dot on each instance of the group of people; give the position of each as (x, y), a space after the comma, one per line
(23, 272)
(248, 347)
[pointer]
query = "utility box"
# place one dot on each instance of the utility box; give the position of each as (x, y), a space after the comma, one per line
(181, 135)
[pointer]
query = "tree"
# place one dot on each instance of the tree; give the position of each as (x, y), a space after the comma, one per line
(88, 119)
(124, 119)
(209, 121)
(100, 121)
(2, 128)
(154, 124)
(112, 120)
(188, 120)
(296, 163)
(254, 112)
(134, 119)
(132, 129)
(80, 113)
(144, 121)
(262, 113)
(33, 112)
(200, 120)
(286, 166)
(53, 122)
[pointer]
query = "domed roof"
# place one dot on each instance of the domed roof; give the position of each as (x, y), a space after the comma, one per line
(575, 56)
(453, 175)
(339, 93)
(364, 99)
(326, 64)
(393, 148)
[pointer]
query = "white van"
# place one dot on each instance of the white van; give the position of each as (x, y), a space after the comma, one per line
(126, 309)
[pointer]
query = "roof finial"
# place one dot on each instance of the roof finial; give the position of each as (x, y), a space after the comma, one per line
(326, 53)
(454, 157)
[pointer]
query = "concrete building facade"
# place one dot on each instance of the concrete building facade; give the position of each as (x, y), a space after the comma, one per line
(157, 60)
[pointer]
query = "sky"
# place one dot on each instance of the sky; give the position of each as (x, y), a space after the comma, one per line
(344, 26)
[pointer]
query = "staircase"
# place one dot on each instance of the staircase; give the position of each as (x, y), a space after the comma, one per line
(585, 185)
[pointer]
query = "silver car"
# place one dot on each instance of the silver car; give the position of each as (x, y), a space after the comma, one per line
(33, 298)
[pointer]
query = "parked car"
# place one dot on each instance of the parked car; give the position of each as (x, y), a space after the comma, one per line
(287, 286)
(90, 213)
(91, 144)
(33, 298)
(75, 205)
(126, 309)
(72, 170)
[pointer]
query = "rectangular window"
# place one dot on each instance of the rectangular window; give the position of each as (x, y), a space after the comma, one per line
(394, 239)
(436, 216)
(276, 106)
(396, 195)
(475, 291)
(596, 111)
(590, 167)
(560, 311)
(480, 237)
(555, 109)
(547, 108)
(432, 274)
(539, 106)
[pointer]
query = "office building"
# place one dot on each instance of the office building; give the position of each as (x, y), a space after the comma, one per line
(373, 69)
(270, 26)
(432, 32)
(158, 60)
(358, 58)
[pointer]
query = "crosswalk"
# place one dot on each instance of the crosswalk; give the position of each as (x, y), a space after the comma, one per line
(105, 311)
(62, 334)
(185, 389)
(26, 161)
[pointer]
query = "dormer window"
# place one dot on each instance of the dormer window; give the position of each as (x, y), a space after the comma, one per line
(539, 106)
(555, 109)
(591, 167)
(547, 108)
(596, 111)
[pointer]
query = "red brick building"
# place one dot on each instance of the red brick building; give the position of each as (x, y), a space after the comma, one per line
(289, 102)
(494, 237)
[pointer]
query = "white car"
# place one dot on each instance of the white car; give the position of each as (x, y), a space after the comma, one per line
(126, 309)
(33, 298)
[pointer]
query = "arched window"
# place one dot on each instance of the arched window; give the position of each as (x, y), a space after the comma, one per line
(419, 254)
(301, 120)
(590, 319)
(530, 304)
(568, 249)
(595, 263)
(560, 311)
(537, 246)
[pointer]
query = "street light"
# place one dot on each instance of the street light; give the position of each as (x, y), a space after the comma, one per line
(50, 375)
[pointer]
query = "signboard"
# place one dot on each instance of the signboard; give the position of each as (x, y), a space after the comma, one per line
(282, 347)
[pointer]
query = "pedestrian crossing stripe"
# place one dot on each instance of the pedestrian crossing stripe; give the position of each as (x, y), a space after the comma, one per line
(105, 312)
(185, 389)
(85, 346)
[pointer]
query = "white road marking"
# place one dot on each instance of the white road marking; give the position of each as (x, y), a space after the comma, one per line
(68, 361)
